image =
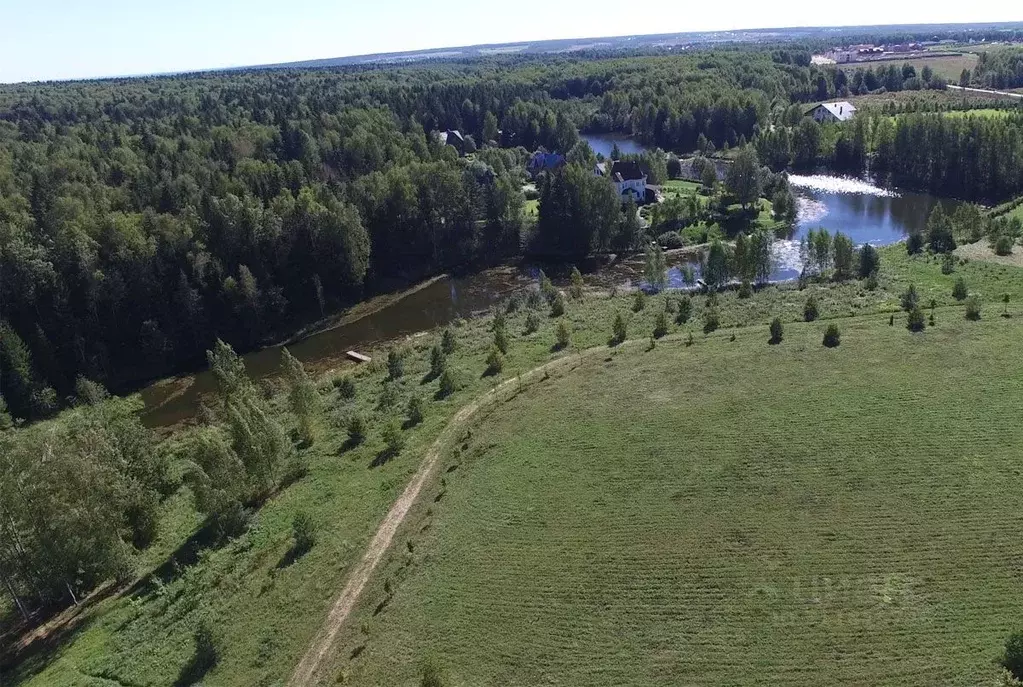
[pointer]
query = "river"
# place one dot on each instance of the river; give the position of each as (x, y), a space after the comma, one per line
(865, 212)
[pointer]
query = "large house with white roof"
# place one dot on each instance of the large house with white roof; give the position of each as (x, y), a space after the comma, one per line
(832, 112)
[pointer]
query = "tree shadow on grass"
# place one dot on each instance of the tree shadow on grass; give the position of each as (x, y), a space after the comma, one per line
(22, 660)
(291, 556)
(194, 671)
(383, 458)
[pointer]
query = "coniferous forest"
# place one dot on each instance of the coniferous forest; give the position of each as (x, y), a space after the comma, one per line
(142, 219)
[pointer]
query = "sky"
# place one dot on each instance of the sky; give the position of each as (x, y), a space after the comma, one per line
(68, 39)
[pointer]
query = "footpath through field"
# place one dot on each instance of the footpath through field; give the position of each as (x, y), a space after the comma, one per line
(344, 603)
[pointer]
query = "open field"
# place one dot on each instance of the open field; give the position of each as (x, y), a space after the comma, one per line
(726, 513)
(950, 67)
(267, 608)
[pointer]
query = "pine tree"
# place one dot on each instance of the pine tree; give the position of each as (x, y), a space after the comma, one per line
(303, 397)
(619, 332)
(495, 361)
(395, 364)
(910, 299)
(563, 335)
(576, 290)
(448, 342)
(415, 410)
(438, 361)
(656, 269)
(810, 309)
(660, 325)
(558, 305)
(959, 290)
(777, 331)
(869, 261)
(685, 310)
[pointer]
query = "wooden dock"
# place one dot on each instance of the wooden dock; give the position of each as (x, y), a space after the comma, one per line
(358, 357)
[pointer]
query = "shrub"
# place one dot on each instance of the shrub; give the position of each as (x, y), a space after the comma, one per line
(303, 531)
(345, 386)
(564, 336)
(777, 331)
(871, 283)
(973, 308)
(415, 411)
(810, 310)
(930, 320)
(356, 430)
(910, 299)
(1012, 659)
(832, 337)
(495, 361)
(948, 263)
(576, 289)
(891, 321)
(915, 320)
(619, 332)
(513, 304)
(661, 325)
(1003, 245)
(448, 383)
(959, 291)
(393, 438)
(558, 305)
(448, 343)
(438, 361)
(745, 290)
(395, 364)
(689, 340)
(671, 239)
(532, 322)
(685, 310)
(1005, 299)
(711, 320)
(670, 305)
(639, 301)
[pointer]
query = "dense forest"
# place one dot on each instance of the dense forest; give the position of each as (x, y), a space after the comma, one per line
(141, 219)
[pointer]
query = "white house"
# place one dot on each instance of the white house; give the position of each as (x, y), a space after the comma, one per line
(832, 112)
(627, 177)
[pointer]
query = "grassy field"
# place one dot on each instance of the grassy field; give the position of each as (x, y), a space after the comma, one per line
(726, 513)
(266, 608)
(950, 67)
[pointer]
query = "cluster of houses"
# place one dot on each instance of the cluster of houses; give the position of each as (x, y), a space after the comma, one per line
(628, 177)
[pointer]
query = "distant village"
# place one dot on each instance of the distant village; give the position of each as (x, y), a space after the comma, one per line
(868, 52)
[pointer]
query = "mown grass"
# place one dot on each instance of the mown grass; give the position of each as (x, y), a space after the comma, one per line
(266, 608)
(729, 512)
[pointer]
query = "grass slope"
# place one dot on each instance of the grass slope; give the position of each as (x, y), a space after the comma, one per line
(266, 613)
(726, 513)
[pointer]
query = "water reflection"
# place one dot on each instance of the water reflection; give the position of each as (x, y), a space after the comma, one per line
(604, 143)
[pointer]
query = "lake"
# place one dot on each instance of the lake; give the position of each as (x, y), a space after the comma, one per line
(603, 143)
(866, 213)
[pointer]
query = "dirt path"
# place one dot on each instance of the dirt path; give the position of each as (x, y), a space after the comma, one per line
(311, 663)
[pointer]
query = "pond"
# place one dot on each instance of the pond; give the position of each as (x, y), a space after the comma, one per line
(862, 211)
(604, 143)
(866, 213)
